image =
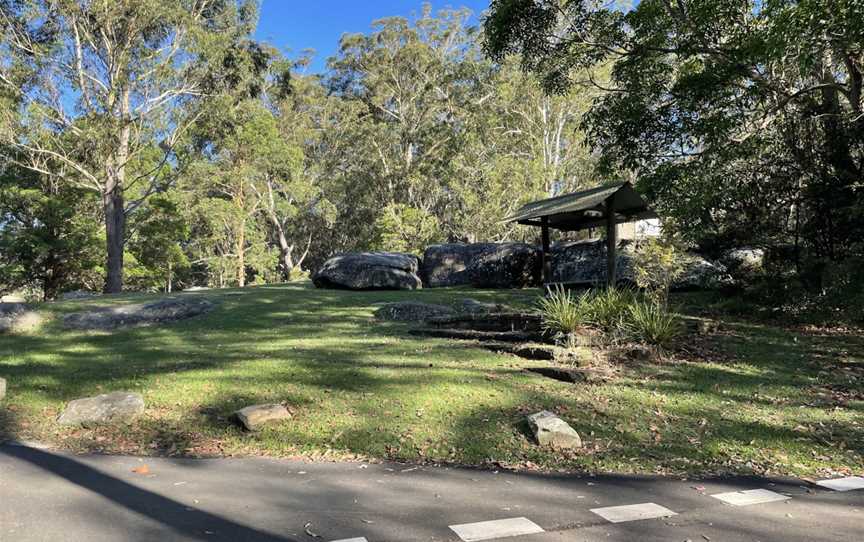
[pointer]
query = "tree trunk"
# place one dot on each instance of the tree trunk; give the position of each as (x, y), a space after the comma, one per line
(241, 253)
(115, 230)
(286, 253)
(113, 203)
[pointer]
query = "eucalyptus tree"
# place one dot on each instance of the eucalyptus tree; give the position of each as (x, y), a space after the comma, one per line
(111, 93)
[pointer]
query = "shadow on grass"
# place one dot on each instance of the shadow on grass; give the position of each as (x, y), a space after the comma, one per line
(320, 350)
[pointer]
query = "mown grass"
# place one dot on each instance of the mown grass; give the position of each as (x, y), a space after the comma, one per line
(751, 399)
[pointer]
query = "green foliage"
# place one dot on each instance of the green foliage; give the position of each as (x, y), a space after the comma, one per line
(49, 238)
(157, 244)
(738, 133)
(649, 322)
(606, 308)
(657, 264)
(405, 229)
(561, 312)
(619, 313)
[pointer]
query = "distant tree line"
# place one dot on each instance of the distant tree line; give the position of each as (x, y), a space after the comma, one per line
(156, 144)
(148, 144)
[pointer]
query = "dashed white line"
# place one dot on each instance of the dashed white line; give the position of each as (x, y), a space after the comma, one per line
(499, 528)
(361, 539)
(750, 496)
(633, 512)
(843, 484)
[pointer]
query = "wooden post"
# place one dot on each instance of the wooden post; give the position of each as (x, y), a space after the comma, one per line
(611, 241)
(547, 260)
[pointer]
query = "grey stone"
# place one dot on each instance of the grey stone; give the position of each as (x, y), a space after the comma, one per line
(112, 407)
(584, 262)
(17, 317)
(701, 274)
(506, 265)
(472, 306)
(550, 430)
(165, 310)
(254, 416)
(370, 271)
(2, 388)
(412, 311)
(744, 258)
(447, 264)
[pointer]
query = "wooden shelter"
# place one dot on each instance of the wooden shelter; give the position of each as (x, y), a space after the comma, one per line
(607, 206)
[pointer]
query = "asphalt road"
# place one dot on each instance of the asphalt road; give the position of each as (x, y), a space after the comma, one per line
(49, 496)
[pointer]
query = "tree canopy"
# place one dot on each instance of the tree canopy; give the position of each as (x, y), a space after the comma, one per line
(741, 119)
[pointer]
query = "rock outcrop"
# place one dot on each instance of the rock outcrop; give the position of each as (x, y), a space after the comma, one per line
(370, 271)
(412, 311)
(584, 262)
(507, 265)
(18, 317)
(164, 310)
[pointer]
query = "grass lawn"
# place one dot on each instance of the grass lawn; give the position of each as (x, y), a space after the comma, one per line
(752, 398)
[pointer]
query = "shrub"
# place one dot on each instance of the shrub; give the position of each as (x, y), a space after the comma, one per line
(562, 312)
(605, 308)
(657, 265)
(651, 323)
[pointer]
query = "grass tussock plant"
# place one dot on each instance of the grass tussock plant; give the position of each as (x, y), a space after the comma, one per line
(651, 323)
(621, 314)
(563, 314)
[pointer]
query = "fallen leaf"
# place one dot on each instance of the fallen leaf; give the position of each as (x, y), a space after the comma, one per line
(143, 469)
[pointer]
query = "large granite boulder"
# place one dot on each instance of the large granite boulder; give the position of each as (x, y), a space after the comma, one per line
(701, 274)
(118, 406)
(370, 271)
(412, 311)
(744, 262)
(507, 265)
(447, 264)
(138, 314)
(584, 262)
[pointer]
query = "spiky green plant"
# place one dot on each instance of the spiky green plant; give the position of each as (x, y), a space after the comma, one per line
(561, 312)
(651, 323)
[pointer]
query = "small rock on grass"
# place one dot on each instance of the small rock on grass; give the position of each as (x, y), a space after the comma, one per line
(2, 388)
(550, 430)
(112, 407)
(254, 416)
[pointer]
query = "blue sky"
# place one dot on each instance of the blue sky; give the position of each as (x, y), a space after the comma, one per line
(295, 25)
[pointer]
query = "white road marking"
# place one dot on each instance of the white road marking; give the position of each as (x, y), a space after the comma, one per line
(361, 539)
(633, 512)
(843, 484)
(499, 528)
(750, 496)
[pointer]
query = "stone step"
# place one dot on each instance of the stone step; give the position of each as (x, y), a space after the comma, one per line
(477, 335)
(511, 321)
(533, 351)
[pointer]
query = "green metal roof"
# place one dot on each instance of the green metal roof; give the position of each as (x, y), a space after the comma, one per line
(585, 209)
